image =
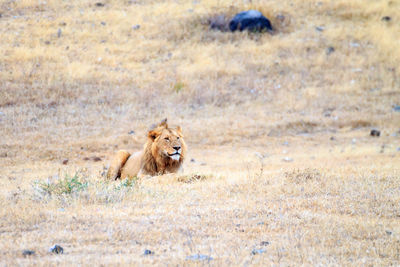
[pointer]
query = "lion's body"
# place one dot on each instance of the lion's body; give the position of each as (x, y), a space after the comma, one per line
(164, 152)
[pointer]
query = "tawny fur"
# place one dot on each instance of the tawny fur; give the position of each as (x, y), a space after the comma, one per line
(155, 158)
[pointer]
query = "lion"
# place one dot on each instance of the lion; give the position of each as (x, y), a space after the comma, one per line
(164, 152)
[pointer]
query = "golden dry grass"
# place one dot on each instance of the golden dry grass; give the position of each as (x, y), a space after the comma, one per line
(278, 127)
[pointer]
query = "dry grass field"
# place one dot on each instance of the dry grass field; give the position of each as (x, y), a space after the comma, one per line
(281, 167)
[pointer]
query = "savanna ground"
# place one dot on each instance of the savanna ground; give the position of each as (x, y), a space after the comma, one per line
(284, 171)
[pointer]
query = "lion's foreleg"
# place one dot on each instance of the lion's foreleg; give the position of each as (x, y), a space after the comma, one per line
(117, 162)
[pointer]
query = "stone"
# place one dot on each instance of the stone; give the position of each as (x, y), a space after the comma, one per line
(375, 133)
(219, 22)
(199, 257)
(148, 252)
(258, 251)
(329, 50)
(56, 249)
(251, 20)
(287, 159)
(28, 252)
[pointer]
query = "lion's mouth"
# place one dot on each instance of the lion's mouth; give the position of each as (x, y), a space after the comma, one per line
(175, 156)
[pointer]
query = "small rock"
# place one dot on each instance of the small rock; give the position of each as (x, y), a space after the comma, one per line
(28, 252)
(199, 257)
(353, 141)
(148, 252)
(99, 4)
(192, 160)
(287, 159)
(285, 143)
(388, 232)
(56, 249)
(136, 27)
(86, 158)
(264, 243)
(65, 161)
(329, 50)
(375, 133)
(332, 138)
(47, 42)
(131, 132)
(103, 23)
(59, 32)
(280, 17)
(96, 159)
(386, 18)
(258, 251)
(396, 108)
(260, 223)
(219, 22)
(354, 44)
(251, 20)
(320, 28)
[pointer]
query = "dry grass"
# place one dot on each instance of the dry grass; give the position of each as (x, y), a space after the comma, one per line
(284, 171)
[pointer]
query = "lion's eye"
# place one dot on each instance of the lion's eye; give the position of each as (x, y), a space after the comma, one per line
(177, 138)
(166, 138)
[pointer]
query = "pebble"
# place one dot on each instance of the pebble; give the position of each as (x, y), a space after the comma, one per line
(287, 159)
(28, 252)
(56, 249)
(375, 133)
(386, 18)
(199, 257)
(329, 50)
(258, 251)
(148, 252)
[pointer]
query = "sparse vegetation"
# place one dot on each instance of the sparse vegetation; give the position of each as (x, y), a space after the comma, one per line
(283, 171)
(67, 185)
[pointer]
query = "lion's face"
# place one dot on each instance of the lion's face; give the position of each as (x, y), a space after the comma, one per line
(168, 142)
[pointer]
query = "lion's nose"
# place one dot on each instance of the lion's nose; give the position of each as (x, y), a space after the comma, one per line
(177, 148)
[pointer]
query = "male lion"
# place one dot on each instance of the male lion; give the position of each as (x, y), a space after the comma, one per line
(163, 152)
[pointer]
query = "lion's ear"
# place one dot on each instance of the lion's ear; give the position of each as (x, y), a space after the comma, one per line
(179, 131)
(163, 123)
(153, 134)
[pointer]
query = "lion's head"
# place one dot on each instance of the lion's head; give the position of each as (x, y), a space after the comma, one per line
(167, 148)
